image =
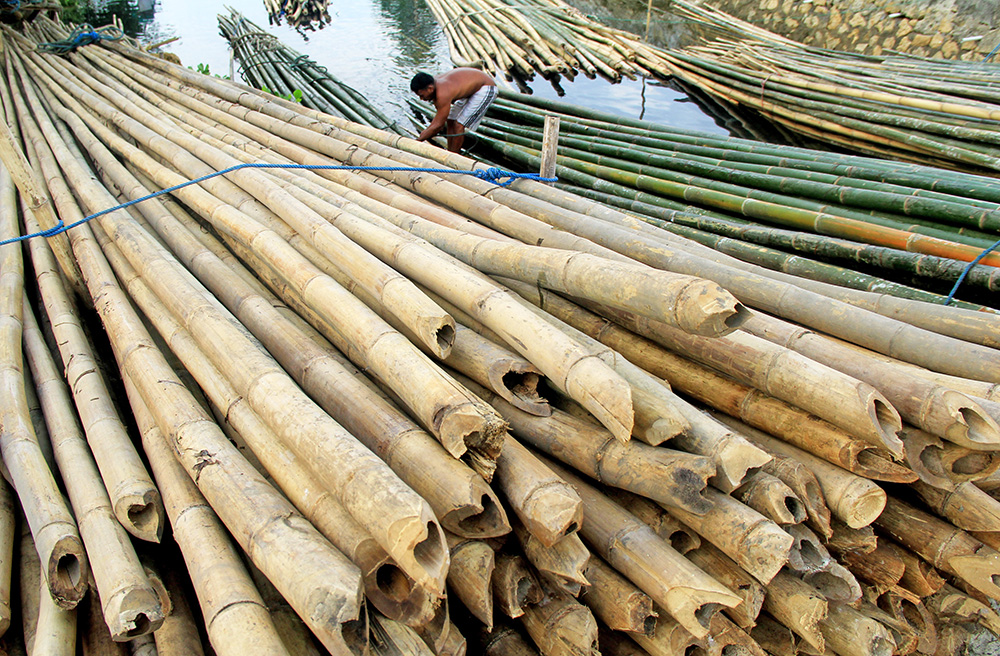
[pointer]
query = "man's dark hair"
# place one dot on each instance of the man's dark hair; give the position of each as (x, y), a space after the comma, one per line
(421, 81)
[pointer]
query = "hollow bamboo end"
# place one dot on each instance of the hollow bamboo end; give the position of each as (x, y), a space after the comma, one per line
(423, 553)
(518, 385)
(553, 512)
(973, 428)
(861, 503)
(705, 308)
(694, 608)
(484, 519)
(66, 572)
(141, 515)
(397, 596)
(871, 464)
(734, 461)
(132, 613)
(980, 570)
(766, 552)
(887, 424)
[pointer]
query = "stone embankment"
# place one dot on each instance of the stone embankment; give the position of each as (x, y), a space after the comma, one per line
(953, 29)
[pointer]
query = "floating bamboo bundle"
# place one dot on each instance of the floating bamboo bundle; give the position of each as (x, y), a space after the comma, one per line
(302, 14)
(266, 63)
(869, 224)
(895, 105)
(324, 367)
(548, 36)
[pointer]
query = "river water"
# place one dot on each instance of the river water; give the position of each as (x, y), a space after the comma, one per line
(377, 45)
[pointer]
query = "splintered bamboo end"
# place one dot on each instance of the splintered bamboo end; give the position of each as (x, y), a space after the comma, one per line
(694, 608)
(737, 457)
(397, 597)
(132, 613)
(141, 514)
(980, 570)
(705, 308)
(766, 550)
(517, 383)
(553, 512)
(472, 426)
(871, 464)
(836, 583)
(423, 553)
(973, 429)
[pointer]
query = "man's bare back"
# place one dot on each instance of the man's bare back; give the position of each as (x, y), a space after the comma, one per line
(444, 89)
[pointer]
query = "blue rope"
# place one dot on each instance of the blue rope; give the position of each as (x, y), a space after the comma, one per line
(492, 174)
(965, 272)
(83, 35)
(992, 53)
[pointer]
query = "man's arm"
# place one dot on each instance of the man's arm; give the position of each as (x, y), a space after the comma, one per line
(438, 123)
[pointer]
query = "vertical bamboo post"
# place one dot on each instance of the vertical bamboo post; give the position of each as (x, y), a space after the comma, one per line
(550, 143)
(8, 528)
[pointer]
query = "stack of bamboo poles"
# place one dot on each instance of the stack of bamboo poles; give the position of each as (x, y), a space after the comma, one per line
(904, 107)
(548, 36)
(267, 63)
(770, 205)
(305, 14)
(419, 413)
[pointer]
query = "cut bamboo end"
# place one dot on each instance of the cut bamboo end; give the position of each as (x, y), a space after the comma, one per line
(124, 617)
(737, 458)
(769, 496)
(850, 633)
(485, 519)
(514, 585)
(836, 583)
(141, 514)
(561, 626)
(872, 464)
(66, 566)
(516, 381)
(470, 574)
(980, 570)
(971, 426)
(390, 590)
(799, 607)
(561, 509)
(424, 553)
(465, 427)
(604, 393)
(669, 638)
(859, 503)
(705, 308)
(885, 421)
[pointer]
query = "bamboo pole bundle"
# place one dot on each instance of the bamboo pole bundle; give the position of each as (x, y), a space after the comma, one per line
(514, 584)
(404, 550)
(945, 465)
(967, 507)
(689, 595)
(800, 479)
(131, 606)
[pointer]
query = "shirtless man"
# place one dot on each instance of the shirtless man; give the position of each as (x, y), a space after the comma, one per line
(461, 97)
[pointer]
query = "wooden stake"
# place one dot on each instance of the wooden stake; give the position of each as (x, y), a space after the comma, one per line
(550, 144)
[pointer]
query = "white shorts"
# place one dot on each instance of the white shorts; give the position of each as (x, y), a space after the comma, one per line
(470, 111)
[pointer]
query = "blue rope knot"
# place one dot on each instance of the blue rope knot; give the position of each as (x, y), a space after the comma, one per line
(491, 174)
(83, 35)
(505, 178)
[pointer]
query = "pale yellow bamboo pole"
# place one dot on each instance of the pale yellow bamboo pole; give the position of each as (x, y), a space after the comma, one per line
(29, 579)
(295, 634)
(631, 547)
(55, 633)
(94, 636)
(670, 638)
(967, 507)
(615, 601)
(854, 500)
(134, 497)
(665, 475)
(945, 465)
(561, 626)
(395, 638)
(235, 617)
(131, 606)
(64, 564)
(357, 330)
(560, 565)
(769, 496)
(514, 585)
(756, 543)
(470, 574)
(938, 410)
(850, 633)
(806, 486)
(547, 506)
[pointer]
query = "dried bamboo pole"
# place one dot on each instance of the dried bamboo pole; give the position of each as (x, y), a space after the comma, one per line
(670, 638)
(131, 606)
(942, 545)
(967, 507)
(631, 547)
(29, 579)
(55, 633)
(853, 405)
(614, 643)
(560, 565)
(561, 626)
(722, 568)
(752, 540)
(951, 604)
(505, 640)
(882, 569)
(547, 506)
(615, 601)
(798, 606)
(728, 639)
(776, 638)
(811, 560)
(668, 527)
(470, 576)
(134, 497)
(670, 477)
(514, 584)
(369, 339)
(294, 633)
(850, 633)
(938, 410)
(93, 634)
(390, 638)
(945, 465)
(235, 617)
(64, 564)
(854, 500)
(769, 496)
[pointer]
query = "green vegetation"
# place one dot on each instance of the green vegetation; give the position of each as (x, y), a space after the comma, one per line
(294, 96)
(203, 69)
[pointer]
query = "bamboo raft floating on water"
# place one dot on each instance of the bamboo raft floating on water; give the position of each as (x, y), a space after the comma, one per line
(305, 355)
